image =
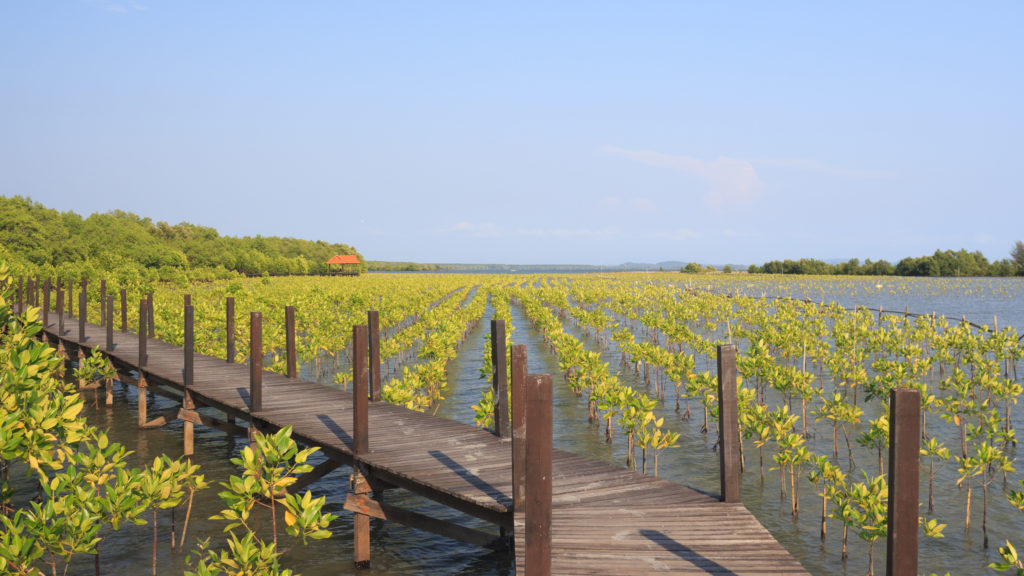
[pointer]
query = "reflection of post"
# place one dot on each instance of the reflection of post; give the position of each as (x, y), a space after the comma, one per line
(499, 379)
(518, 426)
(538, 475)
(289, 335)
(360, 442)
(904, 462)
(373, 322)
(728, 424)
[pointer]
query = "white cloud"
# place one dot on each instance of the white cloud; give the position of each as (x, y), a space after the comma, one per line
(731, 181)
(811, 165)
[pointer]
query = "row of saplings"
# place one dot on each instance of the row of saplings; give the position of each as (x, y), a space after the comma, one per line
(76, 486)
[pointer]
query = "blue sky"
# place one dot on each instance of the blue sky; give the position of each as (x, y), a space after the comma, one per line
(529, 132)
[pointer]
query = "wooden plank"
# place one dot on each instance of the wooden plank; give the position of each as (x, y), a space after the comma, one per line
(363, 504)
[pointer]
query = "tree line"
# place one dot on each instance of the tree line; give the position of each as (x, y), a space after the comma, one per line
(34, 237)
(941, 263)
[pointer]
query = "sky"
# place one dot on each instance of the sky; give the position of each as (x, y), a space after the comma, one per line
(529, 132)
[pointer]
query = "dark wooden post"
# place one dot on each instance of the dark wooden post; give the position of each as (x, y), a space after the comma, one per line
(151, 324)
(360, 381)
(728, 424)
(187, 376)
(289, 329)
(46, 303)
(360, 440)
(904, 470)
(188, 299)
(21, 288)
(29, 292)
(499, 378)
(38, 288)
(124, 310)
(60, 310)
(71, 294)
(230, 328)
(255, 362)
(538, 474)
(103, 302)
(81, 316)
(143, 316)
(373, 323)
(110, 322)
(518, 427)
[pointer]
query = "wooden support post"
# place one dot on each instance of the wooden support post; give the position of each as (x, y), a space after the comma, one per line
(255, 362)
(71, 294)
(518, 427)
(124, 310)
(189, 348)
(21, 288)
(373, 323)
(360, 441)
(289, 331)
(538, 474)
(110, 323)
(143, 316)
(29, 292)
(60, 310)
(38, 287)
(46, 303)
(229, 328)
(904, 462)
(728, 424)
(499, 378)
(150, 324)
(188, 299)
(81, 316)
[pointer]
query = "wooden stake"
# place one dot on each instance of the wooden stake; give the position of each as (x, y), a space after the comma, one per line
(499, 379)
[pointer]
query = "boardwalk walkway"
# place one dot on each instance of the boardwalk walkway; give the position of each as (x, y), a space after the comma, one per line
(606, 519)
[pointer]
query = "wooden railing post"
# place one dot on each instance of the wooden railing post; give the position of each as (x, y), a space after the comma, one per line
(39, 287)
(728, 424)
(70, 309)
(538, 474)
(255, 362)
(229, 328)
(187, 376)
(289, 330)
(124, 310)
(518, 427)
(110, 323)
(151, 324)
(360, 441)
(29, 292)
(143, 316)
(103, 302)
(499, 378)
(373, 324)
(904, 471)
(46, 303)
(81, 316)
(60, 310)
(21, 288)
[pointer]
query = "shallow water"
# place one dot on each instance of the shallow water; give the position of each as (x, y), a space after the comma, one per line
(400, 551)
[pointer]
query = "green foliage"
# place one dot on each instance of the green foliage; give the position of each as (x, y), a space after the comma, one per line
(120, 245)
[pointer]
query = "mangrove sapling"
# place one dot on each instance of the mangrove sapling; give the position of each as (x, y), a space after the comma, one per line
(877, 436)
(1011, 561)
(824, 471)
(932, 449)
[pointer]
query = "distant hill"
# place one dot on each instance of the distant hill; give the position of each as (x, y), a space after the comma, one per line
(34, 236)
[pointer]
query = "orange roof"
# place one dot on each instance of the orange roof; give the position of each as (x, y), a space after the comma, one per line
(344, 259)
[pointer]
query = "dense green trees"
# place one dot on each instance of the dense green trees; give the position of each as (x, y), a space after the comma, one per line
(941, 263)
(34, 236)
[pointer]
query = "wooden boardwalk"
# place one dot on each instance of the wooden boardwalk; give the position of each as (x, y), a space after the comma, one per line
(605, 520)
